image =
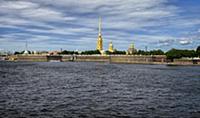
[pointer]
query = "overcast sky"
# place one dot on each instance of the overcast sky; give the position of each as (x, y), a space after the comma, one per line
(73, 24)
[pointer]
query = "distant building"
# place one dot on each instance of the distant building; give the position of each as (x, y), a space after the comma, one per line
(26, 52)
(131, 50)
(54, 52)
(3, 53)
(43, 53)
(111, 49)
(35, 52)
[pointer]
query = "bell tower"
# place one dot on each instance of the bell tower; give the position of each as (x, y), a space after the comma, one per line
(110, 49)
(100, 39)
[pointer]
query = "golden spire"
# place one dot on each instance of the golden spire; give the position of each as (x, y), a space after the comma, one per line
(100, 39)
(100, 25)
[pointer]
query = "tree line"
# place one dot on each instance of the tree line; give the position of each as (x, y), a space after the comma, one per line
(171, 54)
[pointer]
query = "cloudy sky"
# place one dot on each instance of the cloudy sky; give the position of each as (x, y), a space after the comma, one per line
(73, 24)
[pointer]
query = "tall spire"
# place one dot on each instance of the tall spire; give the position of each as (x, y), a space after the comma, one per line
(100, 39)
(100, 20)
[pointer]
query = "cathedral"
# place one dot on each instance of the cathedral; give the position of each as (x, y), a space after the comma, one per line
(111, 49)
(131, 50)
(100, 40)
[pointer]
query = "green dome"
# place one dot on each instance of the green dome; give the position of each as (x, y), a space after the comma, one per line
(132, 45)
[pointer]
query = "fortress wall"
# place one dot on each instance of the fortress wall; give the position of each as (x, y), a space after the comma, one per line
(93, 58)
(96, 58)
(186, 61)
(138, 59)
(66, 58)
(121, 58)
(129, 59)
(34, 58)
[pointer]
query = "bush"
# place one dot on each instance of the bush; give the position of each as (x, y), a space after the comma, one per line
(65, 52)
(90, 52)
(16, 53)
(152, 52)
(156, 52)
(175, 53)
(117, 52)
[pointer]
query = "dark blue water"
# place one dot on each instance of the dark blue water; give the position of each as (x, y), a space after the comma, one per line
(98, 90)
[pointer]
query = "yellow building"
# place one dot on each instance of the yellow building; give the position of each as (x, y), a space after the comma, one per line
(100, 39)
(110, 49)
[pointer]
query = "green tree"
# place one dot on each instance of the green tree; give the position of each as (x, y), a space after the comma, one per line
(188, 53)
(142, 52)
(65, 52)
(176, 53)
(16, 53)
(91, 52)
(108, 52)
(198, 51)
(119, 52)
(156, 52)
(173, 53)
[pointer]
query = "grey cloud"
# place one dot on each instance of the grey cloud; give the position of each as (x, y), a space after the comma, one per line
(168, 41)
(119, 16)
(185, 42)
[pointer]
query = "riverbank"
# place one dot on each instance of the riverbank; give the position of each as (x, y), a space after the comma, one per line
(126, 59)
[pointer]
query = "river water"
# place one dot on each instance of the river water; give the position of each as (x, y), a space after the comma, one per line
(100, 90)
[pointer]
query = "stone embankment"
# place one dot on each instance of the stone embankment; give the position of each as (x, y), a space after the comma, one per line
(132, 59)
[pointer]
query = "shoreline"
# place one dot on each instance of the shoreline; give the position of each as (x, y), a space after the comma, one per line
(115, 59)
(153, 63)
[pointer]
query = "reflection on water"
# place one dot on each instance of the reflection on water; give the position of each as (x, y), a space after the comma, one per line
(98, 90)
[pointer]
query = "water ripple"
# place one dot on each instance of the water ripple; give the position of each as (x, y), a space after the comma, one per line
(89, 90)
